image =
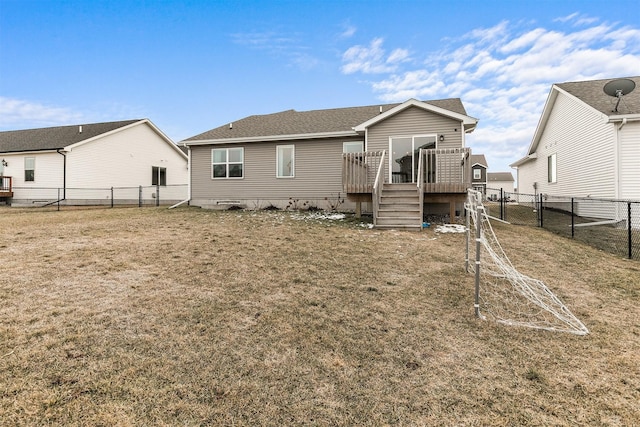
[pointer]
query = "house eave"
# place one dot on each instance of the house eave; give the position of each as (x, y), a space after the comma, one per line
(469, 123)
(270, 138)
(621, 117)
(524, 160)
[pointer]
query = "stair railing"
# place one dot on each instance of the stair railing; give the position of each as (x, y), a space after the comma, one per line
(419, 179)
(377, 188)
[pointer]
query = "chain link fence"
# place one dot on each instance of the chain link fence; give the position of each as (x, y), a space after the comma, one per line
(74, 198)
(610, 225)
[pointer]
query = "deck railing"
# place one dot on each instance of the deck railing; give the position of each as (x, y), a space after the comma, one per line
(445, 170)
(6, 183)
(441, 170)
(359, 171)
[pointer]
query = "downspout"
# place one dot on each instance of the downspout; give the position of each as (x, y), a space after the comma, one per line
(64, 174)
(617, 156)
(188, 182)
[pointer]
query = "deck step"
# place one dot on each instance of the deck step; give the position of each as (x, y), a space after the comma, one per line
(399, 207)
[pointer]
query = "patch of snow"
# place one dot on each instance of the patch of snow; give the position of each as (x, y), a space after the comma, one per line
(451, 228)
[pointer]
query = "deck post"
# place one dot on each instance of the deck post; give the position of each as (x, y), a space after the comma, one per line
(452, 211)
(358, 209)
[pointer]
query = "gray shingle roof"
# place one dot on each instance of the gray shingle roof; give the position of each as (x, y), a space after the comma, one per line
(480, 159)
(54, 138)
(592, 93)
(499, 176)
(293, 122)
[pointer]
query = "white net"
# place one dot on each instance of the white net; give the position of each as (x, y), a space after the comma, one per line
(505, 294)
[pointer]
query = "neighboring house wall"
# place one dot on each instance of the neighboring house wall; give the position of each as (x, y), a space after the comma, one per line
(125, 159)
(122, 159)
(584, 149)
(47, 175)
(315, 181)
(629, 137)
(493, 189)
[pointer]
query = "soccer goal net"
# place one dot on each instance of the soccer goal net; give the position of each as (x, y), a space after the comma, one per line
(503, 293)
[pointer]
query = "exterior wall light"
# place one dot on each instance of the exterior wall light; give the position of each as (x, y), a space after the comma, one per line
(441, 137)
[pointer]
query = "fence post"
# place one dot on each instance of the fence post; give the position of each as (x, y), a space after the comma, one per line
(111, 196)
(573, 222)
(58, 201)
(157, 194)
(140, 196)
(629, 234)
(501, 204)
(479, 214)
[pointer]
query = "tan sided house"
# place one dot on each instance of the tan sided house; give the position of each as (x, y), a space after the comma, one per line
(91, 164)
(394, 159)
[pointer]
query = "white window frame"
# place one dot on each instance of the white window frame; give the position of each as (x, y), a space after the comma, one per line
(159, 175)
(413, 148)
(27, 168)
(353, 143)
(279, 149)
(552, 168)
(477, 172)
(227, 162)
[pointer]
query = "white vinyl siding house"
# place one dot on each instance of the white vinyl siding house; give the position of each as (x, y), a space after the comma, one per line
(83, 162)
(629, 142)
(582, 148)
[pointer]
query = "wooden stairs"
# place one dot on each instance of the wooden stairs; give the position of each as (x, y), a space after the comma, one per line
(399, 208)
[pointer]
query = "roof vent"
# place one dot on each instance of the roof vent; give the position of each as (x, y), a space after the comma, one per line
(230, 125)
(80, 129)
(380, 109)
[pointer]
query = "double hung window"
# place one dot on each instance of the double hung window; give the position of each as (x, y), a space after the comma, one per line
(227, 163)
(29, 169)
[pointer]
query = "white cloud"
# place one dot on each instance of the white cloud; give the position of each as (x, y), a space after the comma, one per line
(279, 45)
(349, 31)
(18, 113)
(503, 74)
(372, 59)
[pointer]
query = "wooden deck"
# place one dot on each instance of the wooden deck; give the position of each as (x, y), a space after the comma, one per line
(6, 186)
(444, 171)
(440, 176)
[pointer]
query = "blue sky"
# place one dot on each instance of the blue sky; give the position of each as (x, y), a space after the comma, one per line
(190, 66)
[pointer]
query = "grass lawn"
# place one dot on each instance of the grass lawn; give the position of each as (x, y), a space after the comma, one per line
(192, 317)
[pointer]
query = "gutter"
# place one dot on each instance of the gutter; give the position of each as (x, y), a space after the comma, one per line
(64, 174)
(188, 199)
(270, 138)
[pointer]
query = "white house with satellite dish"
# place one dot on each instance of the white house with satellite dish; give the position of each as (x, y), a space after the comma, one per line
(587, 143)
(91, 163)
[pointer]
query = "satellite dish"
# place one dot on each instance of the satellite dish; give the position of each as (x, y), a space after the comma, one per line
(619, 88)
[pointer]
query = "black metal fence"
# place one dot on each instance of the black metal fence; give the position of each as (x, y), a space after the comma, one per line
(609, 225)
(60, 198)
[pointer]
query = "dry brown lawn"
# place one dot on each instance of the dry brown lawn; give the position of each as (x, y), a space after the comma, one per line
(190, 317)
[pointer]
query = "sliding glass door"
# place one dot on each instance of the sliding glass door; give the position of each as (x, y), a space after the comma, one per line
(403, 161)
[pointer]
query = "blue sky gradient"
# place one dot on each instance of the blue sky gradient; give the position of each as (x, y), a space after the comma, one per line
(190, 66)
